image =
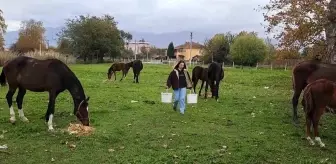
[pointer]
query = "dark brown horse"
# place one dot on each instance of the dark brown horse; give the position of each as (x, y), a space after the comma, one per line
(137, 66)
(306, 72)
(124, 67)
(51, 75)
(199, 73)
(215, 75)
(318, 97)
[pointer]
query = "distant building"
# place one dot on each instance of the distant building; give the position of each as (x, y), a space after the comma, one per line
(136, 46)
(183, 51)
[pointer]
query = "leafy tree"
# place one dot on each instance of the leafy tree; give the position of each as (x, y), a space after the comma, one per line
(142, 40)
(144, 50)
(127, 53)
(170, 50)
(331, 32)
(217, 48)
(91, 36)
(244, 33)
(64, 46)
(127, 37)
(31, 36)
(296, 24)
(248, 50)
(287, 53)
(305, 52)
(315, 52)
(270, 50)
(3, 28)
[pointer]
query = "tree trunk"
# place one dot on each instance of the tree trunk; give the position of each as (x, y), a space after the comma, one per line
(331, 32)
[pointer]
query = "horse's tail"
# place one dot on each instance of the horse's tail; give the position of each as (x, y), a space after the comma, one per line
(308, 101)
(3, 78)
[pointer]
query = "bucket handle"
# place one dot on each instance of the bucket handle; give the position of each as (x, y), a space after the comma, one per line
(191, 91)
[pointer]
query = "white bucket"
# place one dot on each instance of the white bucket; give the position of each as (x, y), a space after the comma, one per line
(166, 97)
(192, 98)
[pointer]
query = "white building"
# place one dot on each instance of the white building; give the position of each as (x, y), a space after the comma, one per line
(136, 46)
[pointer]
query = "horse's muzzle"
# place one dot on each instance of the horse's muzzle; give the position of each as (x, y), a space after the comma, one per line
(85, 122)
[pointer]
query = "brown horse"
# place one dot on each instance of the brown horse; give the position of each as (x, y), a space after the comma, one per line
(51, 75)
(124, 67)
(306, 72)
(318, 97)
(199, 73)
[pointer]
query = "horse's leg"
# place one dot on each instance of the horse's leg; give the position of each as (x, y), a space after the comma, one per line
(9, 97)
(217, 90)
(206, 89)
(295, 102)
(19, 101)
(50, 111)
(115, 75)
(308, 126)
(122, 75)
(200, 91)
(316, 119)
(212, 89)
(137, 77)
(195, 84)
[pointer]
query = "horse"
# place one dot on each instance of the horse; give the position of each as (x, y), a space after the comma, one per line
(51, 75)
(306, 72)
(318, 97)
(215, 75)
(199, 73)
(137, 66)
(124, 67)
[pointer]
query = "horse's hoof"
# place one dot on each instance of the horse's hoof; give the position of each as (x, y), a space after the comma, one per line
(12, 120)
(312, 143)
(51, 130)
(322, 145)
(24, 119)
(296, 122)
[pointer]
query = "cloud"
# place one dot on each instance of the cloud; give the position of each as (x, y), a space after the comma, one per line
(143, 15)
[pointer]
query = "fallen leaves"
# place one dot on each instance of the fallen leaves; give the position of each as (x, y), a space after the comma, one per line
(80, 130)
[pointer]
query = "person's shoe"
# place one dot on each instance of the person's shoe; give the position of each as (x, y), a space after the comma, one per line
(175, 106)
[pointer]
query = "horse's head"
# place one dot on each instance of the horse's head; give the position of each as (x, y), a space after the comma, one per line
(128, 66)
(83, 112)
(109, 73)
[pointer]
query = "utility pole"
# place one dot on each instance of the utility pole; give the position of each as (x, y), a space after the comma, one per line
(190, 47)
(147, 53)
(135, 52)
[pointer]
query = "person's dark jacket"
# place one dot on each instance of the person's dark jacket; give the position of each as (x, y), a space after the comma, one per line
(173, 79)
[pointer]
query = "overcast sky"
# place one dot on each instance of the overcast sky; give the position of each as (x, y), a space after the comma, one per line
(157, 16)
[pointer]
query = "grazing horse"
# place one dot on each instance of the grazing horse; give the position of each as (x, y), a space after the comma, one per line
(124, 67)
(51, 75)
(306, 72)
(199, 73)
(215, 75)
(137, 67)
(318, 97)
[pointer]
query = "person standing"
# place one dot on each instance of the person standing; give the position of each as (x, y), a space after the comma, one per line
(179, 79)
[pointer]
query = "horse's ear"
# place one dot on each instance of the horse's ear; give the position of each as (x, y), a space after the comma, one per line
(87, 99)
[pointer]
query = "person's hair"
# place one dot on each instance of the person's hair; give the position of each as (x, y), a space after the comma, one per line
(179, 62)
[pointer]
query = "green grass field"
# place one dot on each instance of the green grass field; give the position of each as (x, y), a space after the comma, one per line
(209, 132)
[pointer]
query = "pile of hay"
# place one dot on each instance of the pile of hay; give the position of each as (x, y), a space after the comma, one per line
(80, 129)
